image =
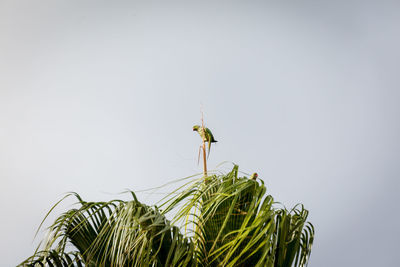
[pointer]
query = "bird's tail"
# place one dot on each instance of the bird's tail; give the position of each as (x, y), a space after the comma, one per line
(209, 148)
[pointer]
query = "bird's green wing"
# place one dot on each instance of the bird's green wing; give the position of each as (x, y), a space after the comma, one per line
(209, 138)
(209, 135)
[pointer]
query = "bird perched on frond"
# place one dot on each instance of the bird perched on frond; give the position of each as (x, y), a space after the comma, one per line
(205, 135)
(254, 176)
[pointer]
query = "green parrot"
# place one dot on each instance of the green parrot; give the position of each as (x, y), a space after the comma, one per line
(205, 135)
(254, 176)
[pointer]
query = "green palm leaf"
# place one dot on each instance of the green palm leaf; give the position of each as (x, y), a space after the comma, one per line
(224, 220)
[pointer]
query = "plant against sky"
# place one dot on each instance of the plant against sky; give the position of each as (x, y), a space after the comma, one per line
(217, 220)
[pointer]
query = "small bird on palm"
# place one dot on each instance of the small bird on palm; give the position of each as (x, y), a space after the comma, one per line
(254, 176)
(205, 135)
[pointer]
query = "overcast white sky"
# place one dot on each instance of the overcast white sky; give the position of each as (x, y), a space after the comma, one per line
(100, 96)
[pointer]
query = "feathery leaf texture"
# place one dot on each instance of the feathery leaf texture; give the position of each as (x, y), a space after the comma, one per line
(225, 221)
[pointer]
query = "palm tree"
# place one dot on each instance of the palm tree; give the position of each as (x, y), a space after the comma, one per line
(223, 220)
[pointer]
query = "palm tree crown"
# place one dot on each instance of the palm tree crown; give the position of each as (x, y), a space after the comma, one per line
(225, 221)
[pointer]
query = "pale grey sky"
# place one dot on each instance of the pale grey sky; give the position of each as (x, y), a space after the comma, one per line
(100, 96)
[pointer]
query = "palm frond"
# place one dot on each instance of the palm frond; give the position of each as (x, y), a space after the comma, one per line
(224, 220)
